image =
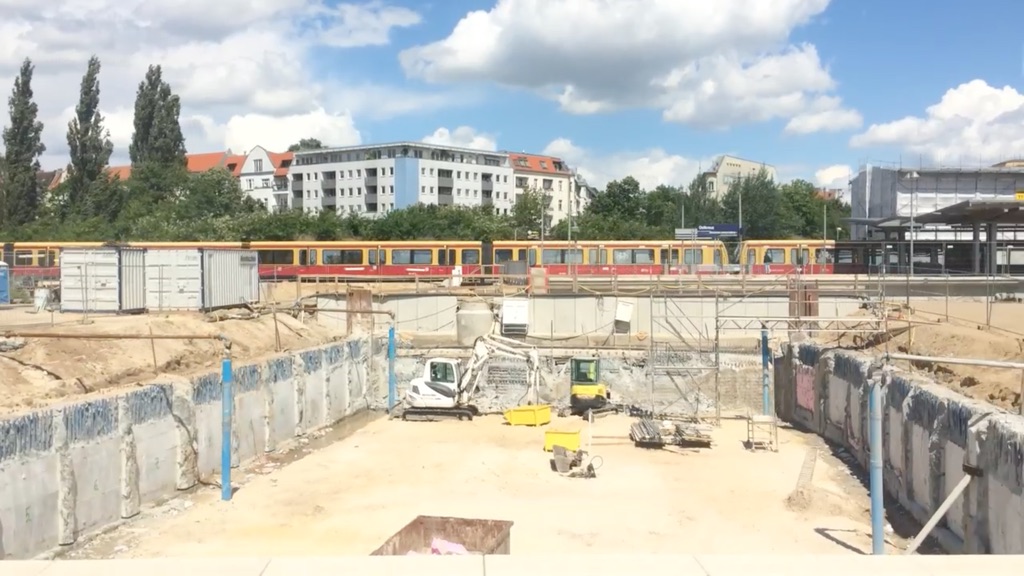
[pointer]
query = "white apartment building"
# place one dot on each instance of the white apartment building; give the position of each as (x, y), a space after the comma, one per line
(263, 176)
(551, 176)
(376, 179)
(729, 169)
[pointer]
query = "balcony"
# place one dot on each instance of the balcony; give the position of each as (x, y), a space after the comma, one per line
(444, 197)
(370, 198)
(370, 180)
(487, 185)
(296, 185)
(445, 182)
(329, 181)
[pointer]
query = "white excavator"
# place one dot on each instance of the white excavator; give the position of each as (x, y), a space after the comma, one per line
(446, 388)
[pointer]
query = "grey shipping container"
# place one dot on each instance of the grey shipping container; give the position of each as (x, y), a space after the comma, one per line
(478, 536)
(200, 278)
(111, 279)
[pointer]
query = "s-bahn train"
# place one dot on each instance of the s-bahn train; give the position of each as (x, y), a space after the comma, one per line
(394, 260)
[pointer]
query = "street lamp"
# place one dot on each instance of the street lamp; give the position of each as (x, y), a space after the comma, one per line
(913, 194)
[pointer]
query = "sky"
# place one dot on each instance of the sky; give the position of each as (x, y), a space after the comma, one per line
(655, 89)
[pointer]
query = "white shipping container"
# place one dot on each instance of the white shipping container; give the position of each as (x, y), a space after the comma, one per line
(174, 279)
(102, 280)
(230, 278)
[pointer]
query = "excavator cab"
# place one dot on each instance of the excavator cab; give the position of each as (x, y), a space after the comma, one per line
(586, 391)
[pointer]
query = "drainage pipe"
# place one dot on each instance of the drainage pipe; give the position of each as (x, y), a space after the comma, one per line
(954, 360)
(875, 449)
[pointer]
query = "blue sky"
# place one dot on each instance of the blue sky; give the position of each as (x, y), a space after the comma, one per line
(814, 87)
(888, 59)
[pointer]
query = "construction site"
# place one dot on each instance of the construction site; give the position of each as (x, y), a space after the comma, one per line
(693, 417)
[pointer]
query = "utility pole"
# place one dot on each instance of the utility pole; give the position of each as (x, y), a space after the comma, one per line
(824, 221)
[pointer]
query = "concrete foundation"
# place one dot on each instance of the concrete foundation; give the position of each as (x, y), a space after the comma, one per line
(929, 433)
(69, 470)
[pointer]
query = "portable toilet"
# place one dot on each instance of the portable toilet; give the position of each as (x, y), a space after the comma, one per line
(5, 283)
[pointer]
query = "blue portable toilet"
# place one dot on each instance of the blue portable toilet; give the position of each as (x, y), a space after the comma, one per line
(5, 283)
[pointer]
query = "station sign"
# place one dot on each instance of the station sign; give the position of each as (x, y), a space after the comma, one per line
(718, 231)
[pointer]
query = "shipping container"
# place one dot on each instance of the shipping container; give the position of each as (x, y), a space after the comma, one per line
(103, 280)
(5, 283)
(200, 279)
(477, 536)
(230, 278)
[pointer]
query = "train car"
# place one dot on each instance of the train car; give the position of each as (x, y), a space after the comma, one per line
(616, 257)
(33, 262)
(787, 256)
(370, 259)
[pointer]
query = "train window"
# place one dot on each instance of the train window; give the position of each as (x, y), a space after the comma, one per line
(342, 257)
(377, 257)
(562, 256)
(522, 255)
(24, 258)
(669, 256)
(597, 256)
(633, 256)
(503, 255)
(470, 256)
(844, 256)
(402, 257)
(693, 256)
(751, 258)
(774, 256)
(51, 258)
(823, 256)
(276, 257)
(799, 256)
(718, 257)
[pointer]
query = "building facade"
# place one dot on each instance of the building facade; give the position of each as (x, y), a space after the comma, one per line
(551, 177)
(728, 170)
(263, 176)
(880, 193)
(376, 179)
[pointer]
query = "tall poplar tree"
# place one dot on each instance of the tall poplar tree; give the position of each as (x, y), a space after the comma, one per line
(23, 145)
(89, 143)
(157, 138)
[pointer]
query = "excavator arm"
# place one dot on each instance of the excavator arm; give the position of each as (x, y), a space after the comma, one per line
(487, 347)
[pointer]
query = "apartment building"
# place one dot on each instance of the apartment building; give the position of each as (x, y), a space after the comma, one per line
(727, 170)
(263, 176)
(553, 178)
(375, 179)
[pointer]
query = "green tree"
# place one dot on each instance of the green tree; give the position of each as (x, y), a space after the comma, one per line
(157, 138)
(702, 206)
(23, 145)
(530, 214)
(764, 214)
(90, 146)
(306, 144)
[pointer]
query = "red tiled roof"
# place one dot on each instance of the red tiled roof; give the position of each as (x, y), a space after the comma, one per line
(206, 161)
(281, 161)
(536, 163)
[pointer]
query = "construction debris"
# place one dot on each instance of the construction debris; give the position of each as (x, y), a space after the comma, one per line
(573, 464)
(649, 433)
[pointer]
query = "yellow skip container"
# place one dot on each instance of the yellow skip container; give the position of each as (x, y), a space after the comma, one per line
(537, 415)
(566, 438)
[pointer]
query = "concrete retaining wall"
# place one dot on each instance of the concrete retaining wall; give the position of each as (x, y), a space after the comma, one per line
(574, 315)
(929, 433)
(69, 470)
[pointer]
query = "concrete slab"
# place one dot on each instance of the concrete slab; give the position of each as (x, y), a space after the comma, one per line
(594, 565)
(379, 566)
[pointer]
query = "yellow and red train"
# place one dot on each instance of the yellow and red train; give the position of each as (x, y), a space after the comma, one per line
(360, 258)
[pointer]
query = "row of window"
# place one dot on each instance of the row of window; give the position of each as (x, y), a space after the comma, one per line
(404, 152)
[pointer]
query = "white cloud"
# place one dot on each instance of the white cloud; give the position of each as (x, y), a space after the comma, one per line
(711, 65)
(651, 167)
(835, 176)
(243, 68)
(973, 122)
(462, 137)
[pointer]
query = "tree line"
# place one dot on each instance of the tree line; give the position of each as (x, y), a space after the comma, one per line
(162, 201)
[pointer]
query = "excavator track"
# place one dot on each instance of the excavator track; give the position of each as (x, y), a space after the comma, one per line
(430, 414)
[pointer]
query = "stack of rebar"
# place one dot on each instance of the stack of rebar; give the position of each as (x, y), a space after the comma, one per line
(645, 431)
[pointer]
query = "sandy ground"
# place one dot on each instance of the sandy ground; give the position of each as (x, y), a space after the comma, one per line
(968, 330)
(350, 496)
(47, 370)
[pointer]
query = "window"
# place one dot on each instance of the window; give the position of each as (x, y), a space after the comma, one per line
(342, 256)
(257, 165)
(24, 258)
(562, 256)
(412, 257)
(502, 256)
(423, 171)
(377, 257)
(693, 256)
(391, 171)
(799, 256)
(522, 182)
(276, 256)
(248, 183)
(442, 372)
(774, 256)
(823, 256)
(633, 256)
(597, 256)
(266, 182)
(470, 256)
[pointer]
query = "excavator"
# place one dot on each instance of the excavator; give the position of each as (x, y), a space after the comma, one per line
(586, 391)
(446, 388)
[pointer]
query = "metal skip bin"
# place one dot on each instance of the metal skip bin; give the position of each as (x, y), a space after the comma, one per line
(103, 280)
(230, 278)
(477, 536)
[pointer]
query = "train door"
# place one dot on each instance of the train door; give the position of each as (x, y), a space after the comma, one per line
(487, 258)
(716, 258)
(376, 257)
(668, 257)
(750, 260)
(446, 258)
(307, 257)
(799, 258)
(9, 254)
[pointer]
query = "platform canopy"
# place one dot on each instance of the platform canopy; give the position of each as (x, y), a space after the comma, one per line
(978, 211)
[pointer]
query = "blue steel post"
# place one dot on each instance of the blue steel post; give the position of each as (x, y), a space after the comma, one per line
(392, 378)
(875, 446)
(765, 378)
(227, 398)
